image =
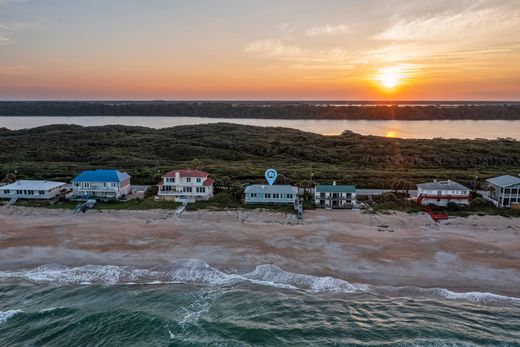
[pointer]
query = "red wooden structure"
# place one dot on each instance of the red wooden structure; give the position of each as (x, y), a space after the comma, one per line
(435, 216)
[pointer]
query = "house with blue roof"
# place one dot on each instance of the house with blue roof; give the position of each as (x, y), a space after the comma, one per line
(101, 184)
(334, 196)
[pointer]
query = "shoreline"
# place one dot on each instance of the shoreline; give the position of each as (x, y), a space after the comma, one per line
(463, 254)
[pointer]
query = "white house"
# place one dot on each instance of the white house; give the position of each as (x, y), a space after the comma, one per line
(270, 195)
(185, 186)
(504, 190)
(103, 184)
(31, 189)
(441, 193)
(335, 196)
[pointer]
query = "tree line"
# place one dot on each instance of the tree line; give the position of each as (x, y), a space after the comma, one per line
(506, 111)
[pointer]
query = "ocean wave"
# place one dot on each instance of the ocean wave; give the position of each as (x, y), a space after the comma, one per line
(6, 315)
(196, 272)
(274, 274)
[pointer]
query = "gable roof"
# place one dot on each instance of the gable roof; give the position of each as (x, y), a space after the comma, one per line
(504, 181)
(275, 188)
(32, 185)
(442, 185)
(208, 182)
(186, 173)
(101, 176)
(333, 188)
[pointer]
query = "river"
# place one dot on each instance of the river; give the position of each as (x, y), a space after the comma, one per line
(461, 129)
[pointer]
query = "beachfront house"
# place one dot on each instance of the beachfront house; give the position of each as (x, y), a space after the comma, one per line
(101, 184)
(504, 190)
(185, 186)
(31, 189)
(334, 196)
(442, 193)
(270, 194)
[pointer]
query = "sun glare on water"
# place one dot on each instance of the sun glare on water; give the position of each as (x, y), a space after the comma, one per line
(391, 134)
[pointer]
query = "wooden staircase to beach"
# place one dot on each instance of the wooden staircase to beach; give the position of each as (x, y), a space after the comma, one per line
(435, 216)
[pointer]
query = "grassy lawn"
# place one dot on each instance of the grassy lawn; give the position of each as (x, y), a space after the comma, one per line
(221, 201)
(389, 202)
(384, 204)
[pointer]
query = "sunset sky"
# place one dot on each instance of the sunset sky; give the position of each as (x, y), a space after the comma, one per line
(260, 50)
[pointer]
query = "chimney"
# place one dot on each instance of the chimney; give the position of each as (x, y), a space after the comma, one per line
(333, 183)
(177, 176)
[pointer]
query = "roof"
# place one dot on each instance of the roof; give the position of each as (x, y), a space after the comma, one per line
(187, 173)
(33, 185)
(101, 176)
(442, 185)
(504, 181)
(208, 182)
(275, 188)
(333, 188)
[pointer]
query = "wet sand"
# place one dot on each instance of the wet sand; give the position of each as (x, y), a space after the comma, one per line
(462, 254)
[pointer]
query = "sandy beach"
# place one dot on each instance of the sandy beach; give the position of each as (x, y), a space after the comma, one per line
(462, 254)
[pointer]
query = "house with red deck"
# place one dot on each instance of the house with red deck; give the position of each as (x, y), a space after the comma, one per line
(442, 193)
(185, 186)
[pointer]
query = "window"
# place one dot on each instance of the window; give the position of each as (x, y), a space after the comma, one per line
(267, 195)
(201, 189)
(188, 189)
(276, 196)
(253, 195)
(42, 192)
(289, 196)
(188, 179)
(199, 179)
(514, 191)
(507, 191)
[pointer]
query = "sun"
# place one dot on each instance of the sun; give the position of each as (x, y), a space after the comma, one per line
(391, 134)
(389, 77)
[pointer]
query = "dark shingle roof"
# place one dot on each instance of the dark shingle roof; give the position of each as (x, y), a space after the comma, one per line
(330, 188)
(442, 185)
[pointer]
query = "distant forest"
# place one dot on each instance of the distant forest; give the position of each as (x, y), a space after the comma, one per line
(240, 153)
(273, 110)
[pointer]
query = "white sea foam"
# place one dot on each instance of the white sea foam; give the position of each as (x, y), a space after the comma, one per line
(50, 309)
(6, 315)
(473, 296)
(196, 272)
(273, 274)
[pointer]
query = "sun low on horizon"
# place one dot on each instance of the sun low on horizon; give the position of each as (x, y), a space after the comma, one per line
(295, 50)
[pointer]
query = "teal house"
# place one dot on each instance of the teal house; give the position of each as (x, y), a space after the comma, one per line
(270, 195)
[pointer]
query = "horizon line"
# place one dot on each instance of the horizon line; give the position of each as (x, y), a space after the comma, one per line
(263, 100)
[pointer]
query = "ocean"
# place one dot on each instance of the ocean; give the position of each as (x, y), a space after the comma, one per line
(189, 303)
